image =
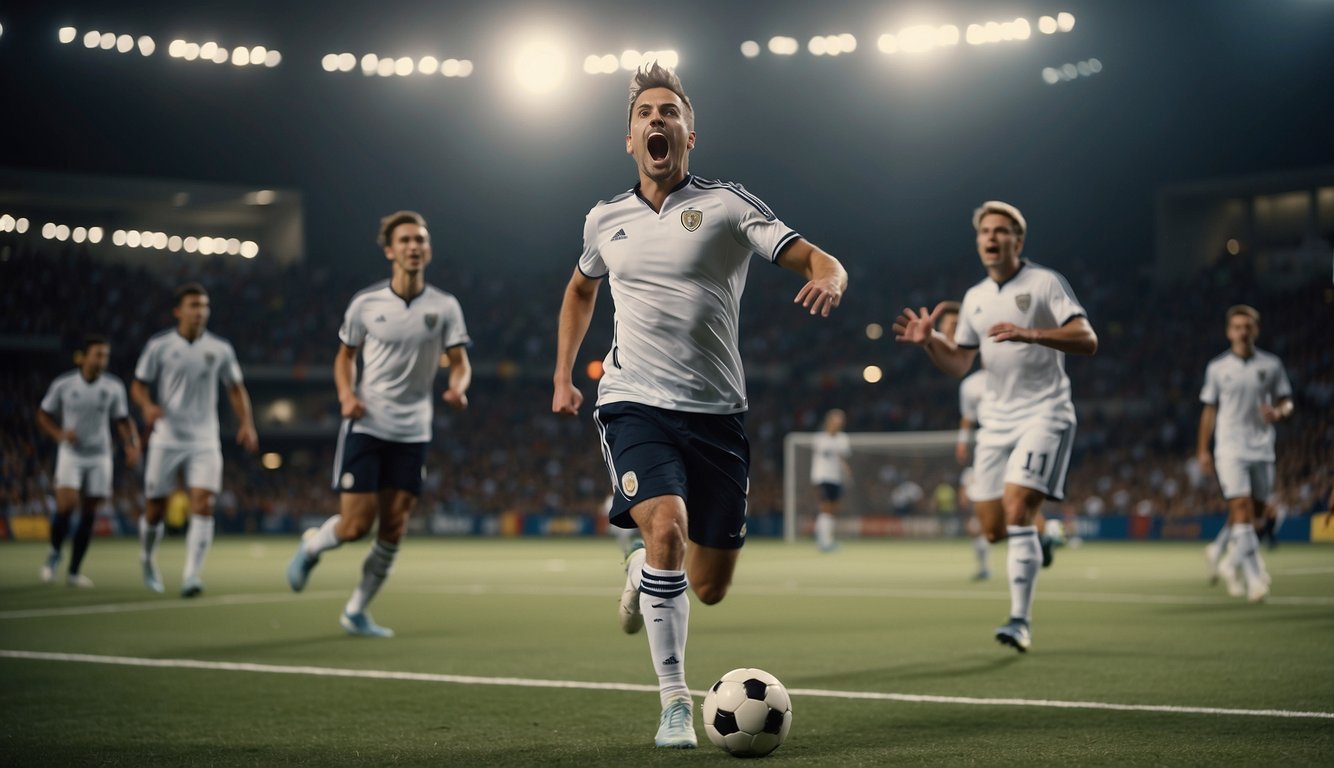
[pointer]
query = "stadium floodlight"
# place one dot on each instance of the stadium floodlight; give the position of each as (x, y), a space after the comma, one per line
(191, 51)
(133, 238)
(404, 66)
(174, 243)
(108, 41)
(1065, 21)
(241, 57)
(539, 65)
(78, 234)
(917, 39)
(631, 59)
(975, 35)
(257, 55)
(62, 232)
(249, 249)
(1050, 76)
(1047, 25)
(592, 64)
(1070, 71)
(346, 62)
(780, 45)
(872, 374)
(160, 240)
(273, 58)
(221, 57)
(208, 50)
(875, 331)
(947, 35)
(94, 235)
(124, 43)
(750, 49)
(6, 223)
(1021, 29)
(176, 49)
(428, 65)
(118, 237)
(465, 67)
(21, 225)
(385, 68)
(888, 43)
(450, 68)
(190, 244)
(91, 38)
(370, 63)
(233, 247)
(330, 62)
(66, 35)
(146, 45)
(817, 46)
(206, 246)
(48, 231)
(1095, 66)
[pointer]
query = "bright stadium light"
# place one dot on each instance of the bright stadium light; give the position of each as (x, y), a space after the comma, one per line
(450, 68)
(330, 62)
(257, 55)
(428, 65)
(465, 67)
(191, 51)
(66, 35)
(385, 68)
(1047, 25)
(174, 243)
(249, 249)
(190, 244)
(872, 374)
(160, 240)
(94, 235)
(118, 237)
(1065, 21)
(273, 58)
(6, 223)
(592, 64)
(817, 46)
(403, 66)
(176, 49)
(1050, 76)
(208, 50)
(124, 43)
(222, 56)
(887, 43)
(750, 49)
(91, 38)
(346, 62)
(630, 60)
(1021, 29)
(917, 39)
(146, 45)
(783, 46)
(108, 41)
(49, 231)
(241, 57)
(1095, 66)
(133, 238)
(539, 66)
(78, 234)
(369, 64)
(21, 225)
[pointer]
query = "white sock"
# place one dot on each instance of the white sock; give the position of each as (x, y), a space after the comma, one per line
(324, 539)
(824, 530)
(982, 548)
(1023, 560)
(149, 536)
(374, 570)
(198, 538)
(666, 608)
(1245, 553)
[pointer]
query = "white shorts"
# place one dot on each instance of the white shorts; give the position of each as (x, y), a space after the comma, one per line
(1034, 454)
(202, 466)
(89, 476)
(1243, 478)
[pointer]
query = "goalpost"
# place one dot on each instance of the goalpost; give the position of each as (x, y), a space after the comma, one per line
(893, 488)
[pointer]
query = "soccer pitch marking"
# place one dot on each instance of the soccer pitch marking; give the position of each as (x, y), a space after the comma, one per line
(1123, 598)
(526, 682)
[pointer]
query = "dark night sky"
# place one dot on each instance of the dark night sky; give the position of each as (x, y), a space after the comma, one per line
(879, 159)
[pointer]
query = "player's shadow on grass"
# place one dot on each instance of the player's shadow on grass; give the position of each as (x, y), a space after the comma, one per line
(943, 670)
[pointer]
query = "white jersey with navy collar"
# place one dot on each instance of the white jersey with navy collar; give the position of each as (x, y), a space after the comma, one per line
(1023, 380)
(186, 375)
(400, 342)
(677, 276)
(86, 408)
(1238, 386)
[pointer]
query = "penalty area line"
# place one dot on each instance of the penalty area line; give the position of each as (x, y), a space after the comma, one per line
(525, 682)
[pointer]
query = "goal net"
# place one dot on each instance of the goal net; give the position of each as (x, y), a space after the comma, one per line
(902, 484)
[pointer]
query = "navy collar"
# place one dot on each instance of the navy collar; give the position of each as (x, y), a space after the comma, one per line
(1022, 263)
(670, 192)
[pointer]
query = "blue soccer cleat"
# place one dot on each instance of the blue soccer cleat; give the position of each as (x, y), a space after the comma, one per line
(676, 728)
(298, 570)
(362, 624)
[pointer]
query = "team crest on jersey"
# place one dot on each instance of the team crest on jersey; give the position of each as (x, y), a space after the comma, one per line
(1261, 374)
(691, 219)
(430, 321)
(1023, 301)
(209, 357)
(630, 483)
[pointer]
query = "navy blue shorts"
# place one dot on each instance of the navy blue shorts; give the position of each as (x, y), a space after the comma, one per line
(653, 452)
(365, 464)
(830, 491)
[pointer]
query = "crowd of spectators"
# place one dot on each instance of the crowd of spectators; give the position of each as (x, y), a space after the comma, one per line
(1137, 399)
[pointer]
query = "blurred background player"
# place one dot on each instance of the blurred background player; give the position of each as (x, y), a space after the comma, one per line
(75, 413)
(404, 330)
(671, 402)
(971, 391)
(1245, 392)
(829, 474)
(183, 366)
(1023, 319)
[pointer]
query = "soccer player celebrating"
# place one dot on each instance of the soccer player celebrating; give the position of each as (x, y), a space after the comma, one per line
(1245, 392)
(404, 330)
(184, 365)
(670, 406)
(75, 413)
(1024, 319)
(829, 473)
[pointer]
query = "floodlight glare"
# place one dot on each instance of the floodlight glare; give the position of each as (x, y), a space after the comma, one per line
(465, 67)
(872, 374)
(118, 237)
(1021, 29)
(78, 234)
(108, 41)
(249, 249)
(975, 34)
(630, 60)
(21, 225)
(782, 46)
(540, 66)
(1047, 25)
(91, 39)
(62, 232)
(66, 35)
(174, 243)
(240, 57)
(94, 235)
(385, 68)
(917, 39)
(146, 45)
(124, 43)
(750, 49)
(257, 55)
(1065, 21)
(428, 65)
(888, 43)
(222, 56)
(177, 49)
(403, 66)
(330, 62)
(208, 50)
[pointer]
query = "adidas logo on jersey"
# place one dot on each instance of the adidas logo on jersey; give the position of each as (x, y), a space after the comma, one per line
(620, 235)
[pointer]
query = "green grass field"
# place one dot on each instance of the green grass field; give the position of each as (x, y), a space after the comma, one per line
(1122, 624)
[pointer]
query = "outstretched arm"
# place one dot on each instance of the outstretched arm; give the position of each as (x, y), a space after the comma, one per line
(246, 436)
(1076, 337)
(920, 328)
(576, 312)
(826, 280)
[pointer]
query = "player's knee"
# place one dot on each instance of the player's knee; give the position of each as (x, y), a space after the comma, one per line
(710, 593)
(352, 530)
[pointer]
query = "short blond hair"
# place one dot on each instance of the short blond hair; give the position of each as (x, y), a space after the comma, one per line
(1243, 309)
(389, 223)
(1004, 209)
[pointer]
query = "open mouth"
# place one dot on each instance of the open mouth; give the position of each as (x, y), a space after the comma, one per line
(657, 146)
(993, 249)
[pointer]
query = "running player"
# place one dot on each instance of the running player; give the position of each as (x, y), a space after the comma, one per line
(829, 474)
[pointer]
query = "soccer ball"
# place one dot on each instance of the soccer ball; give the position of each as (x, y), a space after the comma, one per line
(747, 713)
(1055, 530)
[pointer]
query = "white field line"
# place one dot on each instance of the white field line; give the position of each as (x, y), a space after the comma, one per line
(524, 682)
(1122, 598)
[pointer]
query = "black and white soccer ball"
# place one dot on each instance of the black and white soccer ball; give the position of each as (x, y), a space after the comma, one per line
(747, 713)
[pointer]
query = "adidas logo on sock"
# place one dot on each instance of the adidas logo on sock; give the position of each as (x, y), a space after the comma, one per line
(620, 235)
(671, 660)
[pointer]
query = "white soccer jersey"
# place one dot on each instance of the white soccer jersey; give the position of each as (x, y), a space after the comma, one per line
(86, 408)
(400, 343)
(676, 280)
(1023, 380)
(186, 374)
(971, 391)
(1238, 386)
(828, 452)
